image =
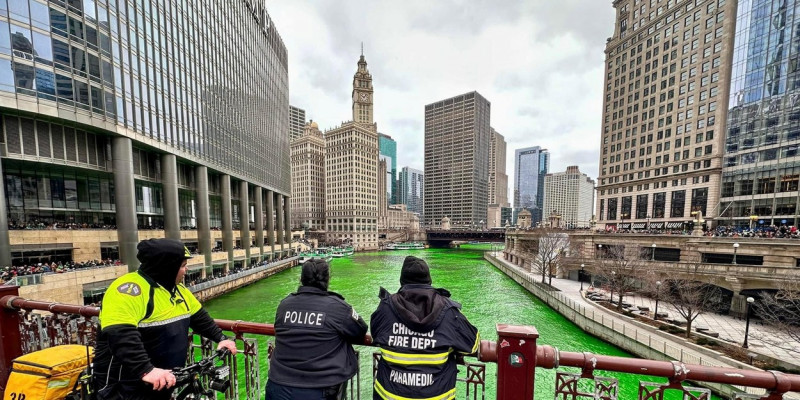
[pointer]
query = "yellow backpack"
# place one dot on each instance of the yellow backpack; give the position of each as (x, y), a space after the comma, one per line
(47, 374)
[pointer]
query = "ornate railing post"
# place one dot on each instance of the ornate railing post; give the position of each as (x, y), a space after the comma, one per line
(10, 337)
(516, 361)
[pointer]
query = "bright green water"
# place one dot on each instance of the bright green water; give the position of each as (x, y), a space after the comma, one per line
(487, 295)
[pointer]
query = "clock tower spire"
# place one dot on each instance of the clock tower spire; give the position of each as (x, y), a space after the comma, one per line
(362, 92)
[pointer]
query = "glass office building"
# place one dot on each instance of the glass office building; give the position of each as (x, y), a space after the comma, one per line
(762, 162)
(530, 167)
(144, 114)
(388, 152)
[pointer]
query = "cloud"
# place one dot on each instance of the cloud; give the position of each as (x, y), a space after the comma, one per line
(540, 64)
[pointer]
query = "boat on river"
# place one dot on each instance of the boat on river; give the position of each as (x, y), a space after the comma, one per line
(409, 246)
(321, 253)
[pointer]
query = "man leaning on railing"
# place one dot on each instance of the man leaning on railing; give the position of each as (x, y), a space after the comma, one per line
(420, 331)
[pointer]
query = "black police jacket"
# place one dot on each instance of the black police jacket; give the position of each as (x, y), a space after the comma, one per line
(314, 334)
(419, 330)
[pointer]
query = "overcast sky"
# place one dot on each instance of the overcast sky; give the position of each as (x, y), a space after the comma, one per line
(539, 62)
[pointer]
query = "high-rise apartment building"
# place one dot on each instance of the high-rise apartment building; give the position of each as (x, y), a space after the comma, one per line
(498, 179)
(761, 168)
(668, 67)
(388, 152)
(569, 194)
(351, 165)
(457, 136)
(308, 179)
(531, 164)
(411, 184)
(117, 122)
(297, 122)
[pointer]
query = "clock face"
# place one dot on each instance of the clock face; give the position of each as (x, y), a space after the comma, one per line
(364, 97)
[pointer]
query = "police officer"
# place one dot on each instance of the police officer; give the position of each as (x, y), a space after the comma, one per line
(144, 325)
(314, 333)
(420, 331)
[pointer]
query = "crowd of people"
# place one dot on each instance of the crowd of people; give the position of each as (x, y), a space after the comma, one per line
(761, 232)
(9, 273)
(41, 225)
(221, 273)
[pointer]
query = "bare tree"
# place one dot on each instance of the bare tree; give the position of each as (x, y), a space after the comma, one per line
(551, 246)
(685, 290)
(620, 268)
(781, 309)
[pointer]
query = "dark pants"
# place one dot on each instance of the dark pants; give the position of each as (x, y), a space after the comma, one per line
(130, 391)
(276, 391)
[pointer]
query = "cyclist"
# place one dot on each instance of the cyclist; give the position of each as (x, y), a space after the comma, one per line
(144, 324)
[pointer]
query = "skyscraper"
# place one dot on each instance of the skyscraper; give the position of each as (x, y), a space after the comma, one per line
(411, 185)
(308, 179)
(388, 152)
(297, 122)
(98, 134)
(351, 165)
(571, 195)
(498, 180)
(457, 136)
(667, 81)
(761, 173)
(531, 164)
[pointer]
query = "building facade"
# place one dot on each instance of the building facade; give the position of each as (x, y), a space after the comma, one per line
(457, 137)
(498, 179)
(531, 164)
(388, 152)
(351, 165)
(118, 116)
(668, 70)
(761, 167)
(308, 179)
(411, 188)
(297, 122)
(569, 194)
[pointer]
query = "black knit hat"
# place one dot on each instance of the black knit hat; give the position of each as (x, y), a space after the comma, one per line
(316, 273)
(415, 270)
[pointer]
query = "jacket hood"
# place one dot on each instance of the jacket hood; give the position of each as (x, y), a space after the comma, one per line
(161, 259)
(420, 306)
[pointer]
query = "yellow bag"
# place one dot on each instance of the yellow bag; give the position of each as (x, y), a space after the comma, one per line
(47, 374)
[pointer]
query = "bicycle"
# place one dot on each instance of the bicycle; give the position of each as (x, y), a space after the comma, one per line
(189, 380)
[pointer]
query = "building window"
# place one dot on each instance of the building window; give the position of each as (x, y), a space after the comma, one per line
(678, 203)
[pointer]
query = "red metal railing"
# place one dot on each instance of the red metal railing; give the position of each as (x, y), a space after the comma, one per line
(515, 353)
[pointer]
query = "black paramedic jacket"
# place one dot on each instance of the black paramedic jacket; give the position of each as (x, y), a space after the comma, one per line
(419, 330)
(314, 334)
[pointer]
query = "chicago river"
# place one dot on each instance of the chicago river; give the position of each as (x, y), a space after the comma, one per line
(488, 297)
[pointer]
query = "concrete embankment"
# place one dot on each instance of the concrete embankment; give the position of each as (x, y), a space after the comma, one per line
(208, 290)
(640, 339)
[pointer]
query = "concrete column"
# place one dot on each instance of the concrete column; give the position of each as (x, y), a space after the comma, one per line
(244, 218)
(125, 196)
(287, 220)
(271, 221)
(279, 217)
(5, 242)
(259, 217)
(203, 214)
(169, 181)
(227, 219)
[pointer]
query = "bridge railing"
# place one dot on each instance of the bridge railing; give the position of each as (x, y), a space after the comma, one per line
(27, 326)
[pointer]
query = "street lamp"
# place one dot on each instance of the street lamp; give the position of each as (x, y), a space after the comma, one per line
(580, 276)
(750, 301)
(735, 246)
(653, 256)
(658, 296)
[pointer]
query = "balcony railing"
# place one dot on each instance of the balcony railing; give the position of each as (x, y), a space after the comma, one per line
(241, 274)
(25, 328)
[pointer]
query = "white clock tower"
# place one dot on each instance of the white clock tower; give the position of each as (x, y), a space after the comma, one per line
(362, 93)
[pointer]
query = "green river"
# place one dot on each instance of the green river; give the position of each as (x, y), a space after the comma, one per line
(487, 295)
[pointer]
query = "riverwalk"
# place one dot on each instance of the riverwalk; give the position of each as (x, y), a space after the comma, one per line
(627, 333)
